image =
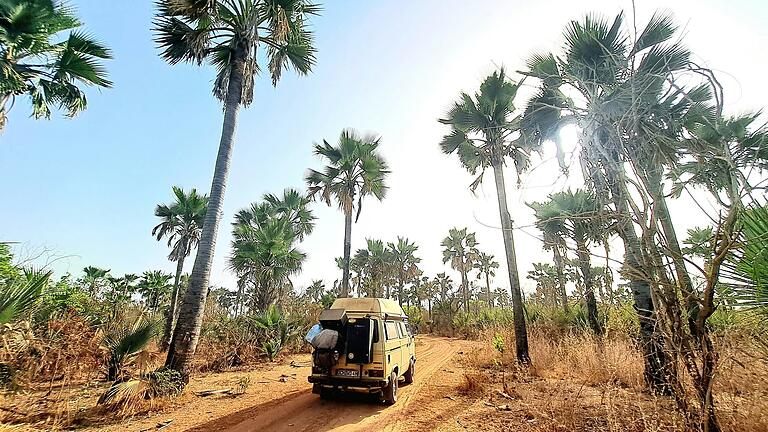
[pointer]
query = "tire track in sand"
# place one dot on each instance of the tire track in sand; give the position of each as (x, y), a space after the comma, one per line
(304, 411)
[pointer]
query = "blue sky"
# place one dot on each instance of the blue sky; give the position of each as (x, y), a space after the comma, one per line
(85, 189)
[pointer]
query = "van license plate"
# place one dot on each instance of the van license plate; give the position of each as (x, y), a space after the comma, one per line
(347, 372)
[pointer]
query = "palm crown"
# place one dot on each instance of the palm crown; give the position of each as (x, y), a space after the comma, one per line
(292, 206)
(36, 59)
(482, 127)
(181, 222)
(355, 170)
(227, 34)
(486, 264)
(460, 248)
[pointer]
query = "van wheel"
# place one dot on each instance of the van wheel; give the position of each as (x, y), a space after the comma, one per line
(410, 372)
(390, 391)
(326, 393)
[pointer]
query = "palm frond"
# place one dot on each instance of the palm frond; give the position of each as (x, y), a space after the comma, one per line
(21, 295)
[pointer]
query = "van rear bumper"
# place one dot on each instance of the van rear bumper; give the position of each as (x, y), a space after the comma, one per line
(345, 384)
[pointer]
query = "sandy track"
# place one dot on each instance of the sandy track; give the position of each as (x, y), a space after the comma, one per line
(304, 411)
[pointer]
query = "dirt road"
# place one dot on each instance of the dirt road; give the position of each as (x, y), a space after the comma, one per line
(303, 411)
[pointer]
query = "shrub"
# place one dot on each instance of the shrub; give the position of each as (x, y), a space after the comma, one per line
(125, 342)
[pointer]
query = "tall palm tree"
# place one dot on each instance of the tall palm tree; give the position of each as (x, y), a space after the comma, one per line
(482, 128)
(227, 35)
(39, 61)
(460, 248)
(355, 169)
(619, 83)
(182, 223)
(405, 263)
(486, 266)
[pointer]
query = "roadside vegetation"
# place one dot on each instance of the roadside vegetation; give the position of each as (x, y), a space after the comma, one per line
(671, 327)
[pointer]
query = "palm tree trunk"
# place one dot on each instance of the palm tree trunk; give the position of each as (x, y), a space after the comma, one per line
(187, 333)
(347, 252)
(465, 290)
(487, 289)
(585, 265)
(661, 211)
(400, 291)
(521, 333)
(170, 320)
(560, 277)
(656, 360)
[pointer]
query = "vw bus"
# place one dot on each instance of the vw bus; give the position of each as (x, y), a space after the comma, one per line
(365, 345)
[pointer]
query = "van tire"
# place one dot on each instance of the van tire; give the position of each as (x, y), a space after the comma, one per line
(390, 391)
(410, 372)
(326, 393)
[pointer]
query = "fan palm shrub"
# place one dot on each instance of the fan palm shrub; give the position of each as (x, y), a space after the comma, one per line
(20, 295)
(123, 343)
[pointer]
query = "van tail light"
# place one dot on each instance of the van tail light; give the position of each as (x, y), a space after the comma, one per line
(376, 373)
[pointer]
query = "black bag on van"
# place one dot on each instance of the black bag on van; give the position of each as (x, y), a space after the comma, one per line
(325, 358)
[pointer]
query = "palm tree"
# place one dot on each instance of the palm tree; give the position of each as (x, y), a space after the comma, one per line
(545, 276)
(460, 248)
(315, 291)
(444, 285)
(355, 169)
(182, 223)
(481, 134)
(294, 206)
(585, 223)
(94, 279)
(486, 266)
(551, 225)
(227, 34)
(619, 86)
(265, 257)
(265, 234)
(405, 263)
(34, 61)
(155, 287)
(120, 290)
(376, 262)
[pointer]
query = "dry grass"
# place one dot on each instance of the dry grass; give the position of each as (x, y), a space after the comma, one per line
(577, 382)
(472, 384)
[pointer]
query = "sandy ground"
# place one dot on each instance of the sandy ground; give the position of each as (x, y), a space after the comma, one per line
(303, 411)
(279, 398)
